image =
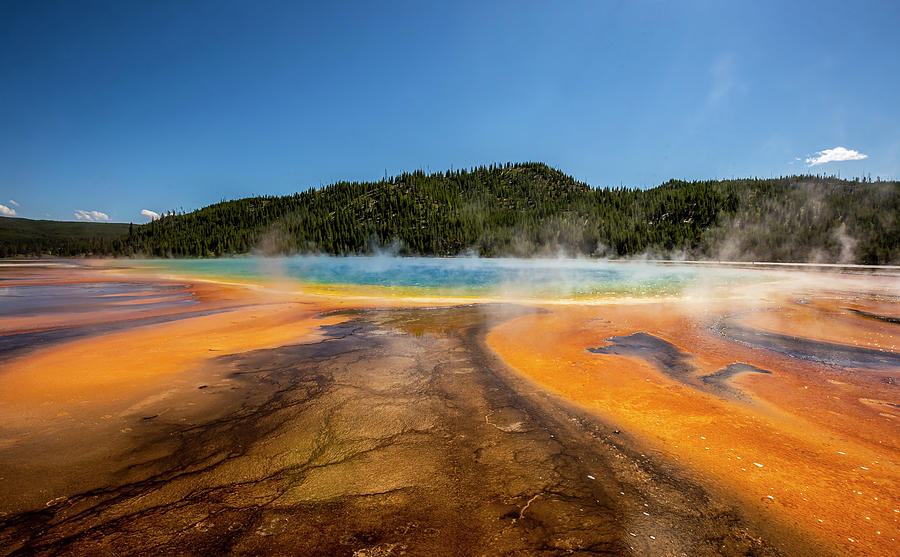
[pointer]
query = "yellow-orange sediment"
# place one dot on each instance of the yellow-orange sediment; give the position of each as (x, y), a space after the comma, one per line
(813, 446)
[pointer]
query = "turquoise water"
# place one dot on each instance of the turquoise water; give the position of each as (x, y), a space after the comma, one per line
(457, 276)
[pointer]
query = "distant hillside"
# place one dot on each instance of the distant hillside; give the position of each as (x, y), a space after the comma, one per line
(20, 236)
(529, 209)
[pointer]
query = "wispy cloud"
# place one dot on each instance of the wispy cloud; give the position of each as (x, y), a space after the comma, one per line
(723, 87)
(6, 211)
(91, 215)
(724, 78)
(838, 154)
(13, 203)
(148, 213)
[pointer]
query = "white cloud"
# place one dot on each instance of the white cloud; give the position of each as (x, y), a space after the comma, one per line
(91, 215)
(6, 211)
(148, 213)
(837, 154)
(13, 203)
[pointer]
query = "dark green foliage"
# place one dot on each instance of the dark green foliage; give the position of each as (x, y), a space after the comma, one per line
(46, 237)
(531, 209)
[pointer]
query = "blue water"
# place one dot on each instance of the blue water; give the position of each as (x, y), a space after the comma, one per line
(457, 276)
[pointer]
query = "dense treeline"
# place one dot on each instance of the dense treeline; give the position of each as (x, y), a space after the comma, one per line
(46, 237)
(530, 209)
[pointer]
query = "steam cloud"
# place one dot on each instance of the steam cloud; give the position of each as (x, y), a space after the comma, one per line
(13, 203)
(148, 213)
(838, 154)
(6, 211)
(91, 215)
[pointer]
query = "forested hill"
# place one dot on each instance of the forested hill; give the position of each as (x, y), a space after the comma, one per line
(531, 209)
(20, 236)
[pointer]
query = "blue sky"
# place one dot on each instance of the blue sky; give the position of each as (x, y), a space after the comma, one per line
(111, 108)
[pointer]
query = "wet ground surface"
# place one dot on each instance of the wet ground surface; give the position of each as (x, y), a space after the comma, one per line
(802, 425)
(840, 355)
(870, 315)
(25, 300)
(193, 418)
(17, 343)
(675, 363)
(391, 432)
